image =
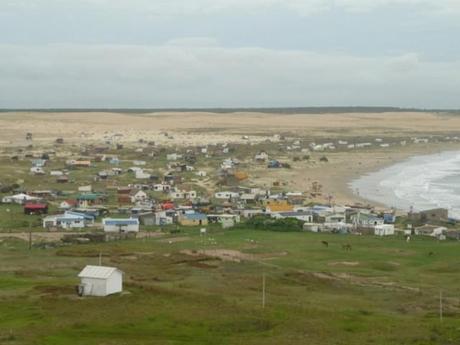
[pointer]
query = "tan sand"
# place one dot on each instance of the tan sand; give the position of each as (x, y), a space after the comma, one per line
(200, 128)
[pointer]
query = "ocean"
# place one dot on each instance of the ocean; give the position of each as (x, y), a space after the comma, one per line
(420, 183)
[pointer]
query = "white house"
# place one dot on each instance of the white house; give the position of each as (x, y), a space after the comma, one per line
(37, 171)
(138, 196)
(226, 195)
(141, 175)
(18, 199)
(161, 187)
(121, 224)
(261, 156)
(176, 194)
(173, 157)
(100, 281)
(68, 220)
(384, 230)
(87, 188)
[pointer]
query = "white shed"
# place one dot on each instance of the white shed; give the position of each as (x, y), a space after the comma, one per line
(100, 281)
(384, 230)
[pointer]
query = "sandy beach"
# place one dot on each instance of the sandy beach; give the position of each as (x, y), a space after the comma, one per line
(184, 129)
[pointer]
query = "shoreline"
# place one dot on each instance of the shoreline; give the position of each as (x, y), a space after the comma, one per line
(402, 157)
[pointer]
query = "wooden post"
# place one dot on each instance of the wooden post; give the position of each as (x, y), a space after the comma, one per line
(263, 291)
(30, 235)
(440, 306)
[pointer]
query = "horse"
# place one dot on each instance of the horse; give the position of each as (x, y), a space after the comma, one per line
(346, 247)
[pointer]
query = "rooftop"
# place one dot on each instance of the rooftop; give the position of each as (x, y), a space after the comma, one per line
(99, 272)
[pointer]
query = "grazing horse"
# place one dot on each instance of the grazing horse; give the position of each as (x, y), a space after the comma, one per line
(326, 244)
(346, 247)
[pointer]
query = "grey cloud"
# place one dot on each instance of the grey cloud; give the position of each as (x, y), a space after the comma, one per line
(184, 75)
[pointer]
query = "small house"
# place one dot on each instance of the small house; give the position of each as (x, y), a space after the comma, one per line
(35, 208)
(226, 195)
(121, 225)
(20, 199)
(37, 171)
(138, 196)
(100, 281)
(62, 179)
(193, 219)
(68, 220)
(384, 230)
(68, 204)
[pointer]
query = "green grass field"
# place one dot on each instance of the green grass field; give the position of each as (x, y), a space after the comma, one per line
(384, 291)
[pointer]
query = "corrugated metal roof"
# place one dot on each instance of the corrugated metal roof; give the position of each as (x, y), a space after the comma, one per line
(99, 272)
(127, 221)
(195, 216)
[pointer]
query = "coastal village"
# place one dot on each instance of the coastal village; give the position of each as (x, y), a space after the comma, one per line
(120, 189)
(114, 236)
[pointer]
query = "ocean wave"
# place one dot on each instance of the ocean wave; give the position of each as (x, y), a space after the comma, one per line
(419, 183)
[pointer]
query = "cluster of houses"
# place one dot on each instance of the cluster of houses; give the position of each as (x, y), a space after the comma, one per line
(139, 207)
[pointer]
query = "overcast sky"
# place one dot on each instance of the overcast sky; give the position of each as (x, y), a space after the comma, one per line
(229, 53)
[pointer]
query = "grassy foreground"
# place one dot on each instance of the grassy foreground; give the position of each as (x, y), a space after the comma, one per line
(384, 291)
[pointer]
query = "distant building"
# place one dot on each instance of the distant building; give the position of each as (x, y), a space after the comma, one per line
(193, 219)
(121, 225)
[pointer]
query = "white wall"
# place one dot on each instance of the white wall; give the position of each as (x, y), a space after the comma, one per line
(103, 287)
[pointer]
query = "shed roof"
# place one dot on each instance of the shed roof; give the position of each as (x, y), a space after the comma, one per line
(99, 272)
(124, 221)
(195, 216)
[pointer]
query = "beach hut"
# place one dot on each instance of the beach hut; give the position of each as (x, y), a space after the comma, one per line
(100, 281)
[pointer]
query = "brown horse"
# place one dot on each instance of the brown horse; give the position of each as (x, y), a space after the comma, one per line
(346, 247)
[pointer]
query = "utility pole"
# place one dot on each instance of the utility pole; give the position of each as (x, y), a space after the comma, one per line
(263, 291)
(440, 306)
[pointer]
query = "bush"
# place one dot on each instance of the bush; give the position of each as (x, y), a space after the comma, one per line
(324, 159)
(306, 157)
(271, 224)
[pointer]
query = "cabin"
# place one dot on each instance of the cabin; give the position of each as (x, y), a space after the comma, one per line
(384, 230)
(37, 171)
(68, 204)
(138, 196)
(88, 199)
(62, 179)
(68, 220)
(226, 195)
(20, 199)
(35, 208)
(273, 206)
(100, 281)
(193, 219)
(121, 225)
(261, 156)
